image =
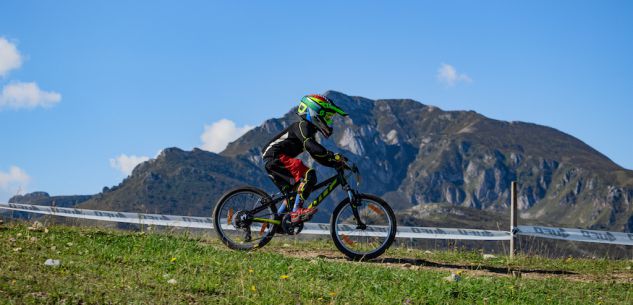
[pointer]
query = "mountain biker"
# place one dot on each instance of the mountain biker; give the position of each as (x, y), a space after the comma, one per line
(316, 112)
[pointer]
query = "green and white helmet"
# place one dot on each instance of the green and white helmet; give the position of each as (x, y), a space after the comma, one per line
(319, 110)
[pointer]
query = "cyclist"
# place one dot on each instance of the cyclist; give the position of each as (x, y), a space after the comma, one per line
(316, 112)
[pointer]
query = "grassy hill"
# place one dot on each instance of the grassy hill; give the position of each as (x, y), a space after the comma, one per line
(100, 266)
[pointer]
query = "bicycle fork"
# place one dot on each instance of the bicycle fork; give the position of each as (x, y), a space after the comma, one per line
(354, 203)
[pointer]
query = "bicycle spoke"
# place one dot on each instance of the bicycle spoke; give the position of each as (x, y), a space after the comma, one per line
(234, 219)
(368, 240)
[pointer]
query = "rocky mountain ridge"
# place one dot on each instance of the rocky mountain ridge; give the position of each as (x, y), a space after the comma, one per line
(411, 154)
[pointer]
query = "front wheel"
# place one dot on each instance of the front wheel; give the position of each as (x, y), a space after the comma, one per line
(368, 241)
(233, 218)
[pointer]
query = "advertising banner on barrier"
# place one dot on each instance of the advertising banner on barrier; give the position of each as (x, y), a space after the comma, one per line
(591, 236)
(324, 228)
(420, 232)
(135, 218)
(205, 223)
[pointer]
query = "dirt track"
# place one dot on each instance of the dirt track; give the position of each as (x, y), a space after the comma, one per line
(467, 270)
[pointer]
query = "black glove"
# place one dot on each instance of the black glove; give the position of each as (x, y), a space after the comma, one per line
(340, 160)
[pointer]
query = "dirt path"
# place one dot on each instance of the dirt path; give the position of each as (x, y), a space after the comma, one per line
(466, 270)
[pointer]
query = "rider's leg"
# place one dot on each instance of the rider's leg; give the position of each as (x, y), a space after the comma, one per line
(304, 189)
(307, 183)
(298, 173)
(282, 178)
(280, 175)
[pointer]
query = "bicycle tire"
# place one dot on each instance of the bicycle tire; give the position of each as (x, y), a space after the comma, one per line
(362, 255)
(222, 234)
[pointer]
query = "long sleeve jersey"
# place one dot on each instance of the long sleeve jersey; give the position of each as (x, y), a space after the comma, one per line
(295, 139)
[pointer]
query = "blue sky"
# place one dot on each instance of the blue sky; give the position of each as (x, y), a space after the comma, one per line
(99, 86)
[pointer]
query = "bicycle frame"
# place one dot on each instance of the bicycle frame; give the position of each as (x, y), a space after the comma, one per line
(329, 184)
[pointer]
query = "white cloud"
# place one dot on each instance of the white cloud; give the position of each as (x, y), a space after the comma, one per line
(449, 76)
(125, 164)
(10, 58)
(219, 134)
(14, 181)
(27, 95)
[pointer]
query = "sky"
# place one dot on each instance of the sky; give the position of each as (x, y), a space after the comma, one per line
(88, 89)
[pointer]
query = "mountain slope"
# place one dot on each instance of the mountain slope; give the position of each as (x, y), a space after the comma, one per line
(410, 154)
(179, 182)
(414, 154)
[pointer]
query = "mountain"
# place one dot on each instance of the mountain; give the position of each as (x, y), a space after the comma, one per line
(43, 198)
(179, 182)
(414, 156)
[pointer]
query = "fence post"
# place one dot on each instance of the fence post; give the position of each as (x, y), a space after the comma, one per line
(513, 218)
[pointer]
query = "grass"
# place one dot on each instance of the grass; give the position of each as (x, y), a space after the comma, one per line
(101, 266)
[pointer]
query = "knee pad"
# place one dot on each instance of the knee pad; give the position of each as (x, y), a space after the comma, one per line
(307, 183)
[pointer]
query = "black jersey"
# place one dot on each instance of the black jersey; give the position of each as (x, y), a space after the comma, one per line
(295, 139)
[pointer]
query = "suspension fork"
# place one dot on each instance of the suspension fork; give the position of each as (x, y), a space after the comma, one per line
(354, 203)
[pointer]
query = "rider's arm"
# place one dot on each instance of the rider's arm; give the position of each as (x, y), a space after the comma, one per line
(316, 150)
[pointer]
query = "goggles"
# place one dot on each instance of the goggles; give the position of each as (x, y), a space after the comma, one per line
(328, 118)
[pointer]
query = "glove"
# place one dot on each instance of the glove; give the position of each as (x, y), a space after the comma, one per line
(340, 159)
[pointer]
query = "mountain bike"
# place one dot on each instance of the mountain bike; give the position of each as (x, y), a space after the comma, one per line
(362, 226)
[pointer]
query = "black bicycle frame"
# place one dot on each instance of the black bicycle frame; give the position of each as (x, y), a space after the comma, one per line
(329, 184)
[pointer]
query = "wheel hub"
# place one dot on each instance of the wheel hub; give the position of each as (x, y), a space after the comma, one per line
(242, 219)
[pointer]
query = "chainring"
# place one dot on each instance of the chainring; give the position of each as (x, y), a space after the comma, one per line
(289, 227)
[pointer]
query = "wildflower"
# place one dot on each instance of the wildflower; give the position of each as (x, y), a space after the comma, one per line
(284, 277)
(332, 293)
(251, 270)
(253, 289)
(173, 259)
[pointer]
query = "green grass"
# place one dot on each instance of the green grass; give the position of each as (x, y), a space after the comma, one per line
(100, 266)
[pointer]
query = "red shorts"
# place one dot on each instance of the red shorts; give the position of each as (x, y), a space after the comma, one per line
(294, 166)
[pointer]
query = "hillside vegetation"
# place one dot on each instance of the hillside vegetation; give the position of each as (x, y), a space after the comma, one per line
(101, 266)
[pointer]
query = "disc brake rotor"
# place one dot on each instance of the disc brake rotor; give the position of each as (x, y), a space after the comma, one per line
(241, 219)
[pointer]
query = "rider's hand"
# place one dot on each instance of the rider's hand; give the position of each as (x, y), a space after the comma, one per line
(340, 160)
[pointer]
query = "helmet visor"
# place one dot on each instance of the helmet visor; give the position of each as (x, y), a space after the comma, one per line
(328, 118)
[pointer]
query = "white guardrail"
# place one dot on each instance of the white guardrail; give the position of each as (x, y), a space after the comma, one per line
(324, 229)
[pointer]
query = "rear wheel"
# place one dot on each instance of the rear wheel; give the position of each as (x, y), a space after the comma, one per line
(233, 219)
(363, 242)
